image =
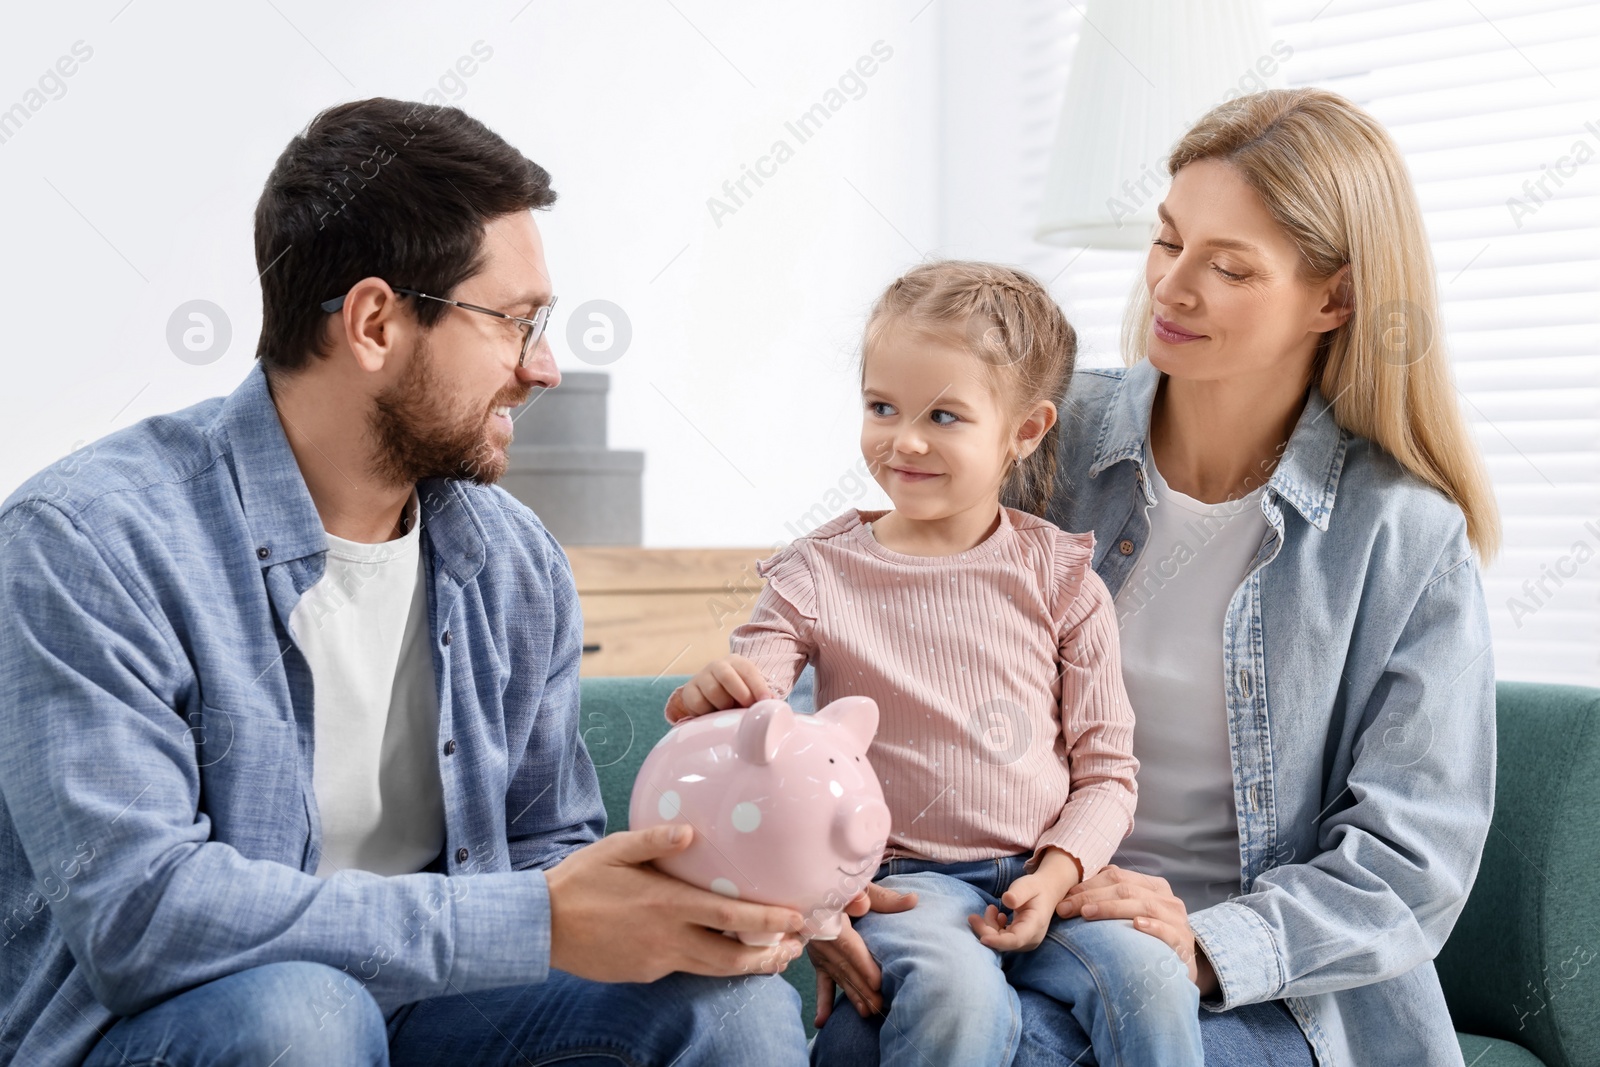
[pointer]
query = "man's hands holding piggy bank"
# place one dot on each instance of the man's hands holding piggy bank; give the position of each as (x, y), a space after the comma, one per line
(786, 808)
(735, 682)
(615, 918)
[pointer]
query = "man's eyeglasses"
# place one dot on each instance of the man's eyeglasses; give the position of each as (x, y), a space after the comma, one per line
(532, 329)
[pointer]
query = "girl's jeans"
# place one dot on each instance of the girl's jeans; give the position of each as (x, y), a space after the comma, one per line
(950, 999)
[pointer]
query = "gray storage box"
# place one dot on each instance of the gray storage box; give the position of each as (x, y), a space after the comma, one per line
(584, 493)
(573, 413)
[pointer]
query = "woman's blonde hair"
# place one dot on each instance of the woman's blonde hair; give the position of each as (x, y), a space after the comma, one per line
(1009, 322)
(1332, 177)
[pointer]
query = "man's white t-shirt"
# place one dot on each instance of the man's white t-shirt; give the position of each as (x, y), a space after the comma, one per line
(1170, 612)
(363, 627)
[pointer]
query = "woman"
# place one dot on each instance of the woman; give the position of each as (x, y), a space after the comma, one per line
(1291, 513)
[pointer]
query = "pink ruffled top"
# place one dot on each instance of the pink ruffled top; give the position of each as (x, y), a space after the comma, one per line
(1004, 726)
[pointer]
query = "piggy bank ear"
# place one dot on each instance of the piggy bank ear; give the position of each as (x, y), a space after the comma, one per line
(762, 731)
(858, 715)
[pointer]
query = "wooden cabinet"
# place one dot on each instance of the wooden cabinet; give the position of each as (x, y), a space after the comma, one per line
(655, 611)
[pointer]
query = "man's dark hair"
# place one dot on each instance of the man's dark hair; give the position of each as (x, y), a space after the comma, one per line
(384, 188)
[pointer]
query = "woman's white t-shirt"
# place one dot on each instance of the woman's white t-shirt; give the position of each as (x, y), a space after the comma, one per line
(1171, 611)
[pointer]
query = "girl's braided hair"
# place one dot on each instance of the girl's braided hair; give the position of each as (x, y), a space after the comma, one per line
(1008, 320)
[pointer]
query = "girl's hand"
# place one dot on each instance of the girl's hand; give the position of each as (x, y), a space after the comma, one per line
(729, 682)
(1116, 893)
(847, 963)
(1031, 899)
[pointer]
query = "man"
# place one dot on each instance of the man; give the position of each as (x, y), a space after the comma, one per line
(293, 772)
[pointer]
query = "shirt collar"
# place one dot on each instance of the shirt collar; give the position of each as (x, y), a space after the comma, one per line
(1126, 424)
(283, 520)
(277, 505)
(1307, 474)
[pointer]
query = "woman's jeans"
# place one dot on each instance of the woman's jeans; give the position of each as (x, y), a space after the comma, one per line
(951, 999)
(290, 1014)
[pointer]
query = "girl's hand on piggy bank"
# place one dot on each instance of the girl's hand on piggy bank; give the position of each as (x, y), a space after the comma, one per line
(729, 682)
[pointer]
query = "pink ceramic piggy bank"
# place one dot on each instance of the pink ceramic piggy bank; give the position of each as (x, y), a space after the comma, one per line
(785, 808)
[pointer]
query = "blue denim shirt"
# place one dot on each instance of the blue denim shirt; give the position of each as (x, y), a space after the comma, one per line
(160, 826)
(1359, 686)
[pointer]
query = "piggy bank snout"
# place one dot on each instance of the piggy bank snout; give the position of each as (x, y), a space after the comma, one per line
(860, 829)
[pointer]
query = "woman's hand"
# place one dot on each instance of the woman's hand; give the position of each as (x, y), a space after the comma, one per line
(846, 961)
(1116, 893)
(729, 682)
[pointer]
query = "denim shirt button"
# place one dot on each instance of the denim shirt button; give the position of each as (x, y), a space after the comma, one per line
(1125, 546)
(446, 637)
(450, 747)
(461, 855)
(263, 552)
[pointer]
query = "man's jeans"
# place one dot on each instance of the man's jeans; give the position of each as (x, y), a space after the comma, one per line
(950, 999)
(289, 1014)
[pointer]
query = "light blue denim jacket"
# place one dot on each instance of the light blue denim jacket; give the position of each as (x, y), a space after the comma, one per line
(160, 828)
(1359, 685)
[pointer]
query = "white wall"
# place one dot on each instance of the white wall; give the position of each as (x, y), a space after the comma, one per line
(1005, 73)
(132, 193)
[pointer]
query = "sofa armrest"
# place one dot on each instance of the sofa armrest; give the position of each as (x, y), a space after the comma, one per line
(1523, 963)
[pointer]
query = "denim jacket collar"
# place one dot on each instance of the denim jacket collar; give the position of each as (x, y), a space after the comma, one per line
(1307, 475)
(283, 519)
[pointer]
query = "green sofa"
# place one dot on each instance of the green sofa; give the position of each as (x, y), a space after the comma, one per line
(1521, 971)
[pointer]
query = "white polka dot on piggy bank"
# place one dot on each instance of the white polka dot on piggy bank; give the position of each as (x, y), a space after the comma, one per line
(785, 808)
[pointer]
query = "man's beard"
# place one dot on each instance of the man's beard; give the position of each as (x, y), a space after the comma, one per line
(418, 435)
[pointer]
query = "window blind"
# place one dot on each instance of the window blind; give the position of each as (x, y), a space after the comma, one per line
(1496, 107)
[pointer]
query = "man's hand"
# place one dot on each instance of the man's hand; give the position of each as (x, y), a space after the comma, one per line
(613, 918)
(1116, 893)
(729, 682)
(1032, 900)
(847, 963)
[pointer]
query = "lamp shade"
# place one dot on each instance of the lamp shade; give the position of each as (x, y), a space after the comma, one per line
(1143, 72)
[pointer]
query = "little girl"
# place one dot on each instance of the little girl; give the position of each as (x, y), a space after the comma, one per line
(1005, 738)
